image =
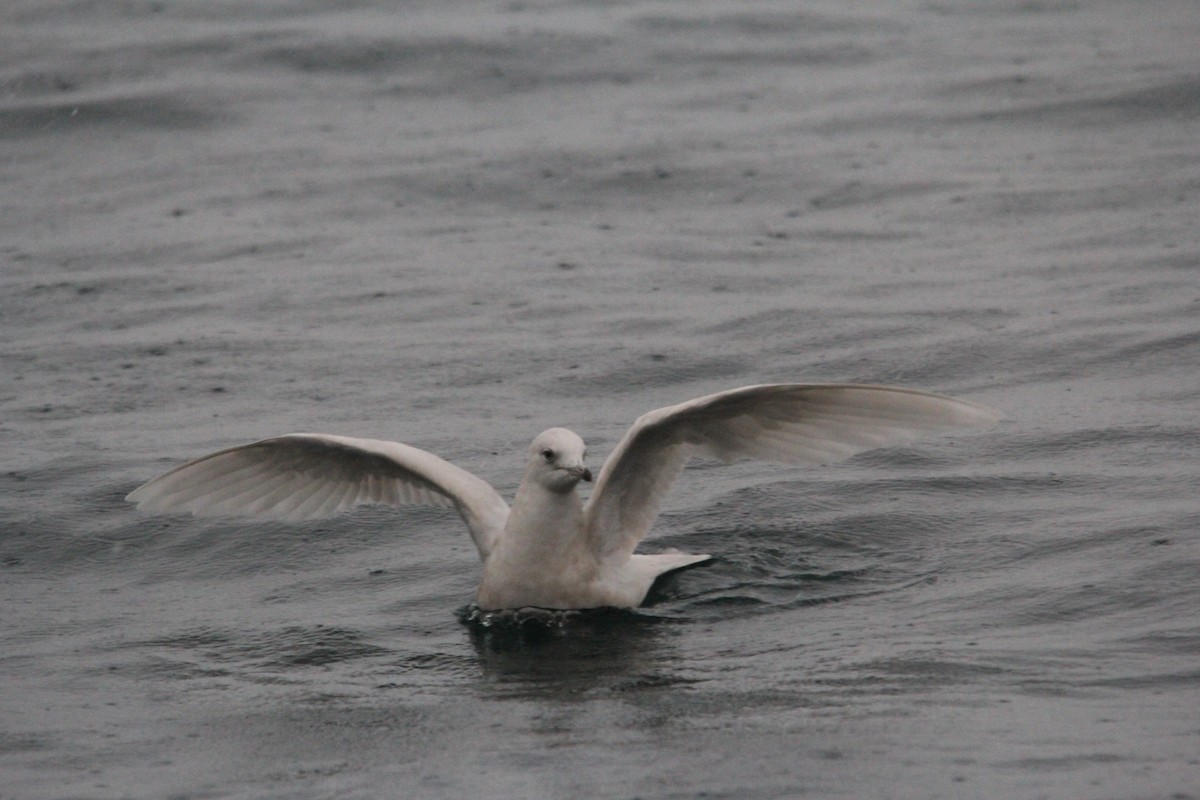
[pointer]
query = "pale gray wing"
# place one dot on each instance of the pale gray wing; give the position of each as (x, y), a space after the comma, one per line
(789, 423)
(311, 475)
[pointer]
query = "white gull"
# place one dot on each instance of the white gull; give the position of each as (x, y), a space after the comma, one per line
(550, 549)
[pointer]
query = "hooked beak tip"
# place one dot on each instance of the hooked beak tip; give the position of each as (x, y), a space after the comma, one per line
(586, 475)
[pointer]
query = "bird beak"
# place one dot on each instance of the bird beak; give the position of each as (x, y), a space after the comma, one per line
(582, 473)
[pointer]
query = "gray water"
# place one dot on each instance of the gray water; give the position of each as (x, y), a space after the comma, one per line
(457, 224)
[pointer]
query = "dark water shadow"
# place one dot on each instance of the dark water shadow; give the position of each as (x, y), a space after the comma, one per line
(535, 652)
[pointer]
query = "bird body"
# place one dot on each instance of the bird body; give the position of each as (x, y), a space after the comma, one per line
(550, 549)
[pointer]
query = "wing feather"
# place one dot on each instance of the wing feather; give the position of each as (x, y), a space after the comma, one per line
(309, 475)
(789, 423)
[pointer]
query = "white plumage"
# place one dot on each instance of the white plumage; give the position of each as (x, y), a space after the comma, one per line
(550, 550)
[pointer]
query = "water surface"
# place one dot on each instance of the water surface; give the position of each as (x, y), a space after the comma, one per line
(456, 225)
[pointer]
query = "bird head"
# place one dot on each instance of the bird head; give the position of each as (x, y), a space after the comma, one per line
(556, 460)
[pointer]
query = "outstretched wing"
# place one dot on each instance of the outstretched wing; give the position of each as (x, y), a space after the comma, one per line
(310, 475)
(789, 423)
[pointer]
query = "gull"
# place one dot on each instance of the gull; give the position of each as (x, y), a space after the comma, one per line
(551, 550)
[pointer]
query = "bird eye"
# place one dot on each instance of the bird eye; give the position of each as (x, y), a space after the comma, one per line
(548, 454)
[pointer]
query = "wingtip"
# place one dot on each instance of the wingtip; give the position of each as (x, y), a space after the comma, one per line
(986, 415)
